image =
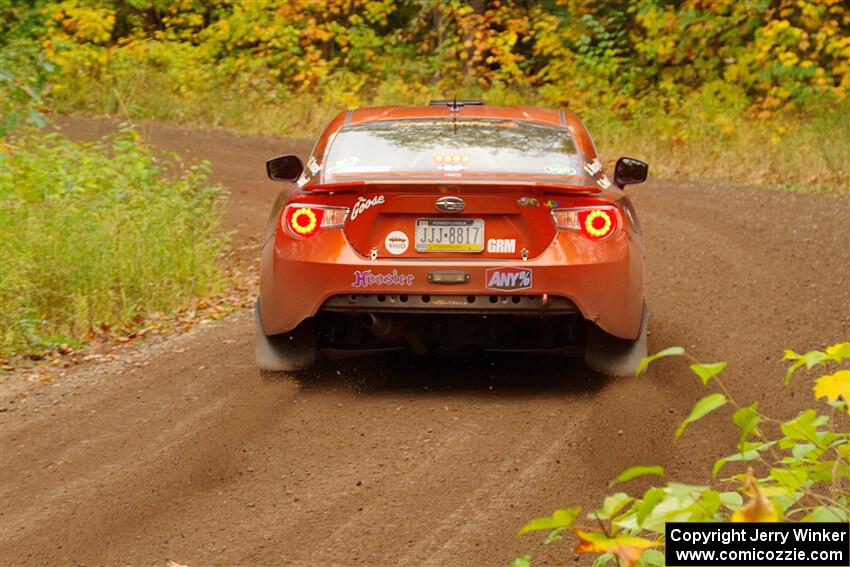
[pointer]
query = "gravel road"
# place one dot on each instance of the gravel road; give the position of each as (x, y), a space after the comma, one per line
(184, 452)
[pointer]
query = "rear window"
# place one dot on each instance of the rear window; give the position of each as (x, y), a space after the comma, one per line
(451, 147)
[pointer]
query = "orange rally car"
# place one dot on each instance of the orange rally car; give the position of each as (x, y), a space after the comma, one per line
(452, 226)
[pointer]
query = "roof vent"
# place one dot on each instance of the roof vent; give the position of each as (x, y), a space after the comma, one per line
(455, 105)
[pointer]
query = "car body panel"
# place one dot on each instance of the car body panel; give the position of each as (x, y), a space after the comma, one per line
(528, 227)
(604, 278)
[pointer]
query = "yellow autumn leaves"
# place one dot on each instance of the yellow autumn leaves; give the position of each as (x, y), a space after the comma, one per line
(758, 508)
(581, 53)
(834, 387)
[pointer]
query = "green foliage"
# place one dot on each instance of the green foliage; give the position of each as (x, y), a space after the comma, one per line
(671, 351)
(708, 371)
(524, 561)
(835, 353)
(746, 419)
(23, 82)
(778, 53)
(98, 234)
(693, 85)
(702, 408)
(636, 471)
(796, 469)
(558, 520)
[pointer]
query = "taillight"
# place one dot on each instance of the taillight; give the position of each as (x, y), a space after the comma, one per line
(303, 221)
(596, 223)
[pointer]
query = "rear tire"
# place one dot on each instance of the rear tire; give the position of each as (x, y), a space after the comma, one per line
(295, 350)
(613, 356)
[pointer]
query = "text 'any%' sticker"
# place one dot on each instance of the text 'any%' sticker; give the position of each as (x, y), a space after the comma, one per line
(509, 279)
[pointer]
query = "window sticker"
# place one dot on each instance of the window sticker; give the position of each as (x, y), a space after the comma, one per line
(454, 123)
(593, 167)
(451, 159)
(360, 169)
(345, 162)
(559, 170)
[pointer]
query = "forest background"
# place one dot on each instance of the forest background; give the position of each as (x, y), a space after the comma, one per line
(750, 91)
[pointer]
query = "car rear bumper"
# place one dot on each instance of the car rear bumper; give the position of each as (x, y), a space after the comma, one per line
(602, 281)
(445, 303)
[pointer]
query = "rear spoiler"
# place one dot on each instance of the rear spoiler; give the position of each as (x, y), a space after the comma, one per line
(362, 185)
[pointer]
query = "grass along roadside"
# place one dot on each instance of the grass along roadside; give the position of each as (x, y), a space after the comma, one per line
(96, 237)
(130, 342)
(709, 136)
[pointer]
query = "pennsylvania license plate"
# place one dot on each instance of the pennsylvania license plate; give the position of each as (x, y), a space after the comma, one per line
(449, 235)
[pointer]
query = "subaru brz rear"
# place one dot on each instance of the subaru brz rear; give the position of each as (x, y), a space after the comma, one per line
(449, 228)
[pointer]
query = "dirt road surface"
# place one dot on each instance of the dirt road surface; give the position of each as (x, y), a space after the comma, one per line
(182, 451)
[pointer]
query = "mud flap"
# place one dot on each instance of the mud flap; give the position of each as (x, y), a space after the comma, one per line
(287, 351)
(613, 356)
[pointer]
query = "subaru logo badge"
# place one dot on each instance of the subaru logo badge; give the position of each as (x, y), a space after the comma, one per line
(450, 204)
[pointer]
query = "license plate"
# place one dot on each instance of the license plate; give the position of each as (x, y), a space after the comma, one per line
(449, 235)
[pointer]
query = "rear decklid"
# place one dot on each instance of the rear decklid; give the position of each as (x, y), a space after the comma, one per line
(431, 222)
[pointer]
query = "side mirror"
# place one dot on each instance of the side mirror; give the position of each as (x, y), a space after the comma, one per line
(284, 168)
(630, 171)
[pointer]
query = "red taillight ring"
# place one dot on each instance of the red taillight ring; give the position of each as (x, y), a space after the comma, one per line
(598, 223)
(303, 221)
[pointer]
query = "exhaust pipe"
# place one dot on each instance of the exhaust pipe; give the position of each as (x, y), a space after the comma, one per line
(383, 328)
(391, 330)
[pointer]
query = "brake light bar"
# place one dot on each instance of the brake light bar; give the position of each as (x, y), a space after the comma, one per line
(596, 223)
(302, 220)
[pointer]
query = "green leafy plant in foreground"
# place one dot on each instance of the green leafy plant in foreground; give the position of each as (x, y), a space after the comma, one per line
(98, 235)
(796, 470)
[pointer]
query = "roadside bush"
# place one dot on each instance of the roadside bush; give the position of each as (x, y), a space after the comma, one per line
(750, 92)
(97, 235)
(795, 470)
(806, 152)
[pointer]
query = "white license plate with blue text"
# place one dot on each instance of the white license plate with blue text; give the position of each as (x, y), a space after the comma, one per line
(449, 235)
